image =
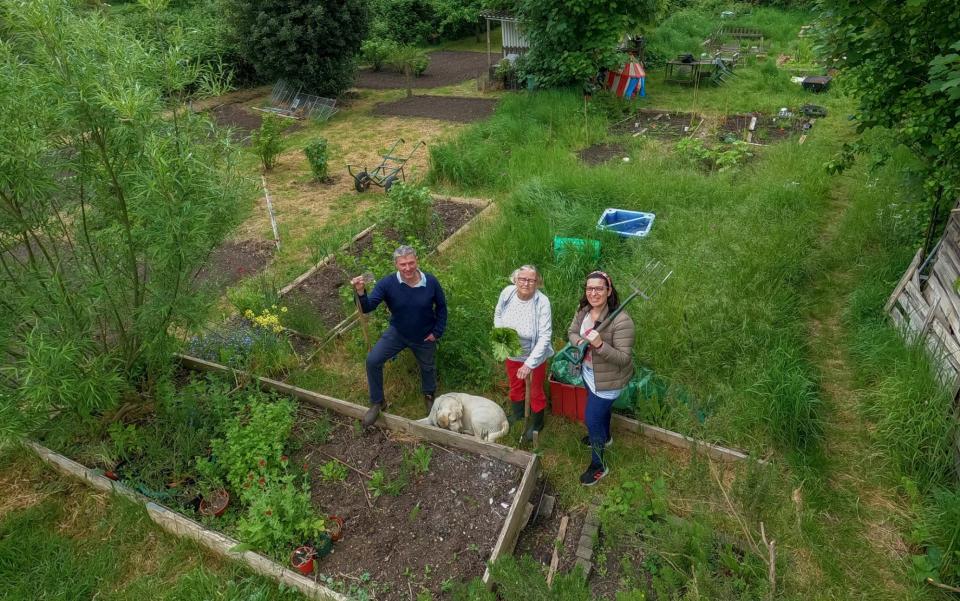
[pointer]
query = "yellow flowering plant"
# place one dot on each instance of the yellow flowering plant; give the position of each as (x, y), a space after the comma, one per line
(268, 319)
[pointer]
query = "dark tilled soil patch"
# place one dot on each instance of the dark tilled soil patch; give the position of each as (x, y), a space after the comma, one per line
(620, 563)
(443, 525)
(446, 67)
(234, 260)
(768, 129)
(321, 291)
(658, 124)
(444, 108)
(243, 121)
(601, 153)
(538, 537)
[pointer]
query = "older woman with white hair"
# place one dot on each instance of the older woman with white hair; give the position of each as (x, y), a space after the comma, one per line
(524, 308)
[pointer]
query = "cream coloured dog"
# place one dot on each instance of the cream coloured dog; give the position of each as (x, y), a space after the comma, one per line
(468, 414)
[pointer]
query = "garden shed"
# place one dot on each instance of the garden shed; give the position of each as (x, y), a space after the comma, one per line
(513, 39)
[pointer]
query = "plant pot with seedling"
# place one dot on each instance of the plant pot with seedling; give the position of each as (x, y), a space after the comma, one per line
(214, 503)
(335, 527)
(302, 559)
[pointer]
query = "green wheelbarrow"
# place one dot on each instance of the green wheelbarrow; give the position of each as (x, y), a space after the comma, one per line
(387, 173)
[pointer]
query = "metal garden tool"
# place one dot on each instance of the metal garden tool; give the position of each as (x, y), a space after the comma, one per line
(645, 285)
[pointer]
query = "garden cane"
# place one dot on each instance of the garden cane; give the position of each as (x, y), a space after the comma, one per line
(367, 279)
(526, 406)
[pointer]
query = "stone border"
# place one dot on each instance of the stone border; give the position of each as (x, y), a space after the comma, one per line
(181, 526)
(588, 538)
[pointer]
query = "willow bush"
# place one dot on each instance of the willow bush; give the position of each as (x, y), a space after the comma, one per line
(111, 197)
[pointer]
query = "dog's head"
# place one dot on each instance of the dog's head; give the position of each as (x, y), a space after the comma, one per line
(449, 415)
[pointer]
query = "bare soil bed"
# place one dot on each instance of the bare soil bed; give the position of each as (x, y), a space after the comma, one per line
(321, 290)
(243, 121)
(232, 261)
(621, 563)
(443, 525)
(447, 67)
(444, 108)
(601, 153)
(658, 124)
(768, 129)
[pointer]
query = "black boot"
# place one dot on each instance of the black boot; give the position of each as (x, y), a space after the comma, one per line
(428, 401)
(536, 424)
(517, 414)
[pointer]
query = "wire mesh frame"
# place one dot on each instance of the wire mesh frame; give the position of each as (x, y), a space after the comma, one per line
(286, 101)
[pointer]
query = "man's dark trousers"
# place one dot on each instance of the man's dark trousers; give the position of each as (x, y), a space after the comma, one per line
(388, 347)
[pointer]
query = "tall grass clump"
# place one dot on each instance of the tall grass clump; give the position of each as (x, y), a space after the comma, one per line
(729, 325)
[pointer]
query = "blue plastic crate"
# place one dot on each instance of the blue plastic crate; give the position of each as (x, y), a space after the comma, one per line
(631, 224)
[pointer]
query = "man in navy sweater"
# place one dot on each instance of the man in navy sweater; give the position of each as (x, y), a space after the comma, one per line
(418, 316)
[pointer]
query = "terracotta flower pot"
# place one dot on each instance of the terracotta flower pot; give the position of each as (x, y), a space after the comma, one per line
(335, 527)
(302, 559)
(215, 504)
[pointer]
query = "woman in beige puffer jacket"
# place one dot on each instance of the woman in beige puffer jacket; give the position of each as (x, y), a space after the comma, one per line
(607, 367)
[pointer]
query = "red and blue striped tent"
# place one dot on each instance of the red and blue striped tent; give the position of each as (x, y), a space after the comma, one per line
(628, 81)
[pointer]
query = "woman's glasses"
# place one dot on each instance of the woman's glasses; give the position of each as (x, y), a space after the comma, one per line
(526, 280)
(595, 289)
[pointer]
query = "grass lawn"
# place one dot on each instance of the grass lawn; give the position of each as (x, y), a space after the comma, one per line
(61, 540)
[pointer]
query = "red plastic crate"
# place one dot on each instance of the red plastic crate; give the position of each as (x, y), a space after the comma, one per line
(568, 400)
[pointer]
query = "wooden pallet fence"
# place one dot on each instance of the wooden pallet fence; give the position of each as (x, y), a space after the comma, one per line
(925, 306)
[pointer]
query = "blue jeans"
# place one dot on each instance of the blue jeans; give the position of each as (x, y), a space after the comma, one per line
(388, 347)
(597, 420)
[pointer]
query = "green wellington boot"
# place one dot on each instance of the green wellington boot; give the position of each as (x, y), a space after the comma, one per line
(536, 424)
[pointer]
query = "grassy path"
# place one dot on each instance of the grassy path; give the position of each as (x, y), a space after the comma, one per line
(89, 545)
(857, 540)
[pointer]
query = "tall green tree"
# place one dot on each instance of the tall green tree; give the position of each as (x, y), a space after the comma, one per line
(312, 43)
(111, 197)
(902, 59)
(570, 40)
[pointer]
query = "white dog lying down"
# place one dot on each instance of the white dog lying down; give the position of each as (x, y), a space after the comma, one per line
(468, 414)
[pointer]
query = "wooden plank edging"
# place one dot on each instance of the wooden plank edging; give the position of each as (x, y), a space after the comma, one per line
(219, 544)
(681, 441)
(306, 275)
(443, 246)
(470, 444)
(515, 517)
(181, 526)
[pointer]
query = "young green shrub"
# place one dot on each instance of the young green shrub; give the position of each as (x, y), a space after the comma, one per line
(279, 514)
(267, 141)
(409, 211)
(317, 154)
(376, 52)
(411, 62)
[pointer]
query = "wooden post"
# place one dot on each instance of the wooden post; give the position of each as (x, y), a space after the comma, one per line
(489, 51)
(273, 219)
(555, 559)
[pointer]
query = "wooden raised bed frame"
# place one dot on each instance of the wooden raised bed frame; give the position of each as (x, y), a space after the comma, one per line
(222, 545)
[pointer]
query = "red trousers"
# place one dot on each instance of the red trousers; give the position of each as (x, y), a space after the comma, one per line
(538, 399)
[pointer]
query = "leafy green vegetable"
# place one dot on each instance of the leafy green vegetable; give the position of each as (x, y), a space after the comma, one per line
(505, 343)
